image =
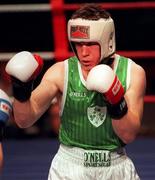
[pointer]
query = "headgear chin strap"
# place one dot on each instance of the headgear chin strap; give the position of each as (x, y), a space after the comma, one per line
(101, 31)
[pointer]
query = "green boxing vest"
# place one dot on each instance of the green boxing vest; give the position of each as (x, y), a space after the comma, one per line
(85, 122)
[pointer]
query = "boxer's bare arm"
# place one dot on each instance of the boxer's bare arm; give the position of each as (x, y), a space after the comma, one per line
(28, 112)
(1, 157)
(128, 127)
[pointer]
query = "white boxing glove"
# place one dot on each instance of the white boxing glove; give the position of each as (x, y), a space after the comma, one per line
(23, 69)
(102, 79)
(24, 66)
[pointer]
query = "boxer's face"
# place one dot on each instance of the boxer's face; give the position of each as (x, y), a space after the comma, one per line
(88, 54)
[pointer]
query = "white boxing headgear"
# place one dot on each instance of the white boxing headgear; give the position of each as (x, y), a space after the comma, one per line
(101, 31)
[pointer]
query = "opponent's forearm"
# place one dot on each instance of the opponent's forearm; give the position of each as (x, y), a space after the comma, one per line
(1, 157)
(5, 111)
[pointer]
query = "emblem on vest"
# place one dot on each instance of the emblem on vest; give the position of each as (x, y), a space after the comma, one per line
(96, 115)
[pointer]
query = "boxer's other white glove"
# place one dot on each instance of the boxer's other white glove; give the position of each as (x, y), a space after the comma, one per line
(5, 110)
(23, 69)
(102, 79)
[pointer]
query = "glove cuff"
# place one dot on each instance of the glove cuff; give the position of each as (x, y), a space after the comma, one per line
(21, 90)
(117, 111)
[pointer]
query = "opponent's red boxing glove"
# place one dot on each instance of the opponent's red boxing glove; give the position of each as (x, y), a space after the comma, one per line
(102, 79)
(23, 69)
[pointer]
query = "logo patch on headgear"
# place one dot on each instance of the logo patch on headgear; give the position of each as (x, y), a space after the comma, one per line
(80, 32)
